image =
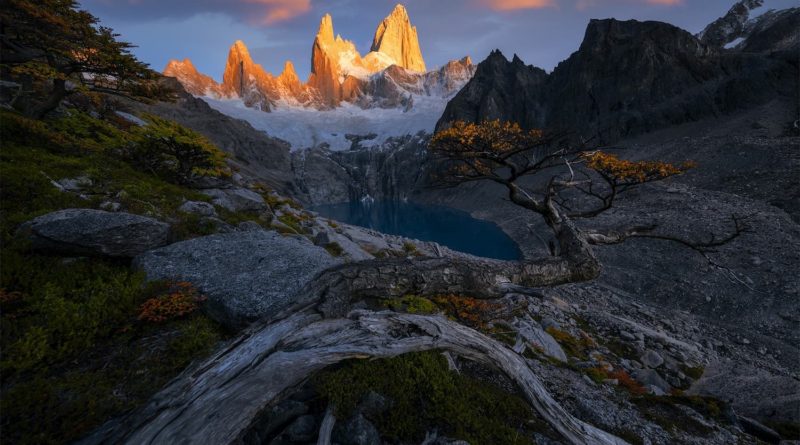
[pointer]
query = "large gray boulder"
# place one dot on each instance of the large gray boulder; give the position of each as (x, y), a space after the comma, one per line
(236, 200)
(95, 233)
(246, 275)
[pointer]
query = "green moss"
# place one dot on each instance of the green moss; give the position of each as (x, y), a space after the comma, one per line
(412, 304)
(628, 436)
(694, 372)
(334, 248)
(597, 374)
(410, 248)
(425, 395)
(663, 411)
(292, 221)
(787, 430)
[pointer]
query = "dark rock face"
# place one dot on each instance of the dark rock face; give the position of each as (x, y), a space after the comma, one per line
(95, 233)
(389, 172)
(509, 91)
(245, 275)
(775, 31)
(627, 77)
(731, 25)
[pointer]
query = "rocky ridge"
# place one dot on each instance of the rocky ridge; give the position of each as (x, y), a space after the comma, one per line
(630, 77)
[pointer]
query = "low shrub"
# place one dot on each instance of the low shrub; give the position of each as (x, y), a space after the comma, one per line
(473, 312)
(181, 300)
(175, 153)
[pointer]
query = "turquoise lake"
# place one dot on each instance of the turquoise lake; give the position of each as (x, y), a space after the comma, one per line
(448, 227)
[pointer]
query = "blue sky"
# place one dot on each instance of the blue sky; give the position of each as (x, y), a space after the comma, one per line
(541, 32)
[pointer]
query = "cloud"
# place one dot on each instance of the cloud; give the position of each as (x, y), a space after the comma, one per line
(512, 5)
(582, 5)
(254, 12)
(281, 10)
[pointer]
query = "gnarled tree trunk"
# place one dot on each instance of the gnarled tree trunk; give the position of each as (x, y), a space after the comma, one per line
(476, 277)
(218, 402)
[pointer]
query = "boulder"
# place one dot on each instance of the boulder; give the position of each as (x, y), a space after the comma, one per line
(245, 275)
(652, 359)
(350, 249)
(198, 208)
(650, 378)
(95, 233)
(302, 430)
(75, 184)
(237, 200)
(356, 430)
(533, 333)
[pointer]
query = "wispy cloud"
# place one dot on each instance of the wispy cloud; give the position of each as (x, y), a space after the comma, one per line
(581, 5)
(280, 10)
(512, 5)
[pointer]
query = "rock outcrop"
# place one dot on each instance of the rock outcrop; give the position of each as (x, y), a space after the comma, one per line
(730, 26)
(397, 38)
(81, 232)
(246, 275)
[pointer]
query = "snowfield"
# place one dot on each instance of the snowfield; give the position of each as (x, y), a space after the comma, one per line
(308, 127)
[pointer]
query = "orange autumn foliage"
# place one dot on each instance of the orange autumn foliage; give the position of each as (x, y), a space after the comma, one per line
(471, 311)
(494, 136)
(181, 300)
(624, 171)
(626, 381)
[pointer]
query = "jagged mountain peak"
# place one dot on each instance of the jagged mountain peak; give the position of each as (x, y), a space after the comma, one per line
(338, 72)
(288, 69)
(325, 31)
(397, 38)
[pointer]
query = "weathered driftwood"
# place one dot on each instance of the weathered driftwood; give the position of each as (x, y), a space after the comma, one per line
(218, 401)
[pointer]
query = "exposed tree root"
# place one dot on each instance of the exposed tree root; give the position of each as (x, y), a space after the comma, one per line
(218, 402)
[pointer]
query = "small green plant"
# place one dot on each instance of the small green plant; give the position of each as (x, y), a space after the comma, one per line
(334, 249)
(410, 248)
(572, 346)
(412, 304)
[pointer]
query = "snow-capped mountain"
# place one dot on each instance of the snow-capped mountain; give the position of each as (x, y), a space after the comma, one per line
(388, 92)
(389, 76)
